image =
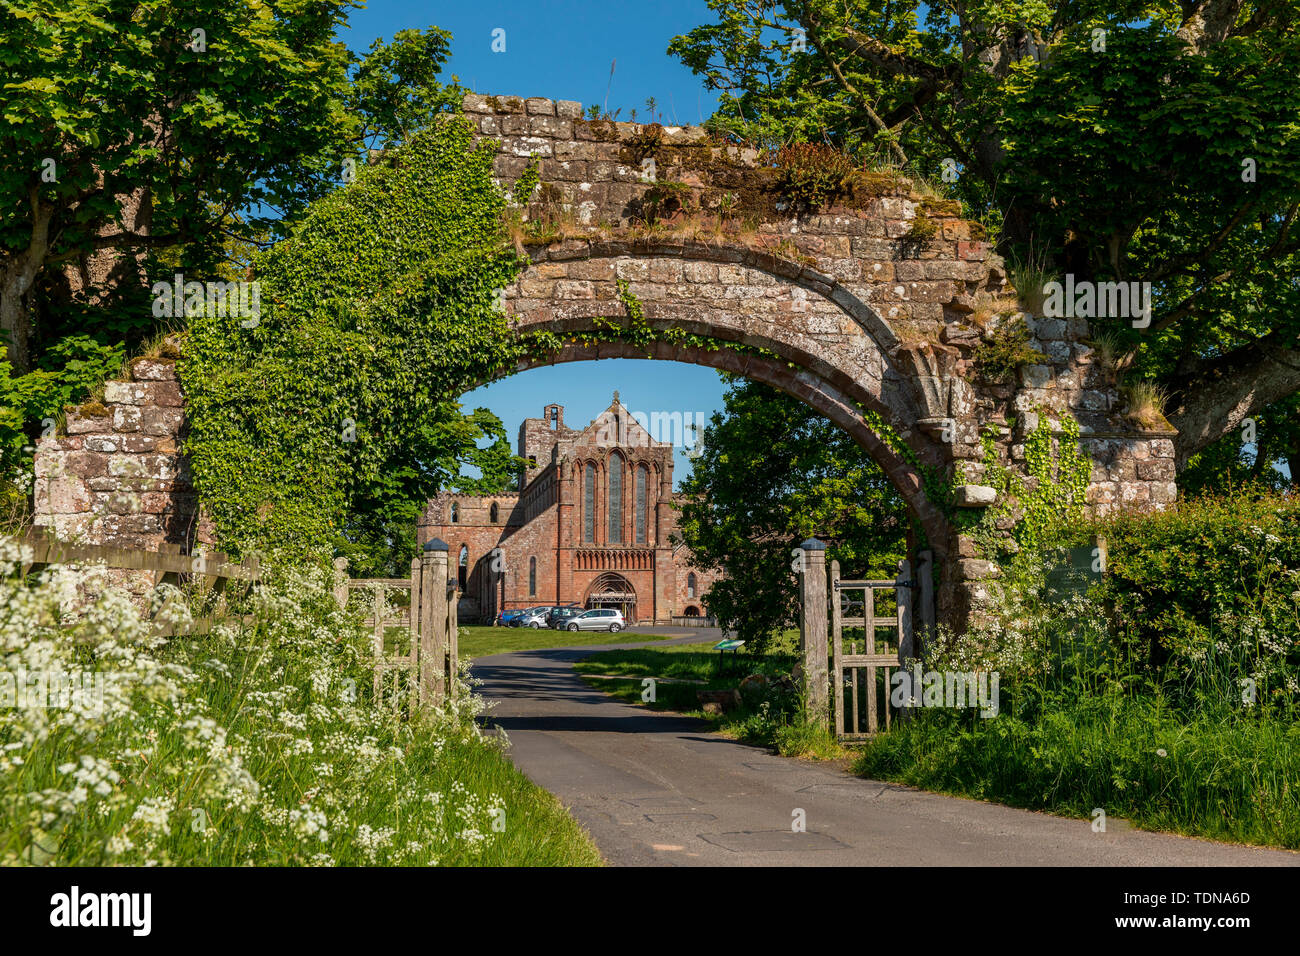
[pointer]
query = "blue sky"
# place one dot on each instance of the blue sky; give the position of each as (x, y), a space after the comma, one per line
(562, 49)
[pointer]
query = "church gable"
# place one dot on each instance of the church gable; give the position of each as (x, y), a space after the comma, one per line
(615, 426)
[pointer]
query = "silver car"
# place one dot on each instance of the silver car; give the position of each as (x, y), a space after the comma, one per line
(597, 619)
(534, 619)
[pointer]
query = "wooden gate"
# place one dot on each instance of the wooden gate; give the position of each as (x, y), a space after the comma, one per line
(868, 619)
(873, 632)
(418, 665)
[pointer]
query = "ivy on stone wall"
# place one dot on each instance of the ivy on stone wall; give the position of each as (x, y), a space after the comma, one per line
(382, 304)
(1046, 504)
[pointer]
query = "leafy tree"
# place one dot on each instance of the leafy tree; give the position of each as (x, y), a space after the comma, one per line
(1131, 141)
(771, 474)
(378, 533)
(134, 147)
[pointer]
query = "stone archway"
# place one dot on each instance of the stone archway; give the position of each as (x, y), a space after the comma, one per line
(871, 309)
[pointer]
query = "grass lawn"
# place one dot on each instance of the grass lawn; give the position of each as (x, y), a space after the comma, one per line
(769, 717)
(482, 640)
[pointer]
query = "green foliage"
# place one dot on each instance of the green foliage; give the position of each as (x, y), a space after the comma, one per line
(260, 743)
(226, 145)
(812, 173)
(381, 306)
(66, 373)
(1234, 460)
(395, 89)
(999, 357)
(1046, 505)
(1212, 589)
(1166, 694)
(771, 474)
(1080, 156)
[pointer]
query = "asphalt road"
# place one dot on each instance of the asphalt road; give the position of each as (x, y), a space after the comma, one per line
(655, 789)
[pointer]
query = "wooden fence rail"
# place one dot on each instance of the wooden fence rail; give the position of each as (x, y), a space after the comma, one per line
(211, 570)
(425, 660)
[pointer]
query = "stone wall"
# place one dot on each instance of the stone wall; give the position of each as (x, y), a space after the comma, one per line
(114, 475)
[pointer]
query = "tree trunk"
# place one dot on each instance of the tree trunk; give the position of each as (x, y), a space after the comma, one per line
(1226, 392)
(17, 276)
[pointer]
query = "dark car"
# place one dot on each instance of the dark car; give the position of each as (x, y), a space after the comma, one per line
(560, 616)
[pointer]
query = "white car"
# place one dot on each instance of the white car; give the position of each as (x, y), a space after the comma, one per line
(597, 619)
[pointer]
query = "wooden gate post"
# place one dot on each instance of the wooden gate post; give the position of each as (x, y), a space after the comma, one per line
(813, 626)
(433, 621)
(925, 598)
(906, 627)
(341, 582)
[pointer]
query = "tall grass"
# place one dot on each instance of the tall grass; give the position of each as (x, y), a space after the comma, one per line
(1167, 695)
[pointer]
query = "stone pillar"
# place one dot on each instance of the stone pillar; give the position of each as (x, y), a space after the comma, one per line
(814, 633)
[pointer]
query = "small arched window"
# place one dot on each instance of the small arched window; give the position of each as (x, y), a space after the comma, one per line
(494, 512)
(690, 585)
(532, 577)
(462, 571)
(455, 513)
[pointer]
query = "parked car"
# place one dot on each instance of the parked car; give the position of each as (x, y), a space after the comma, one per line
(560, 616)
(505, 617)
(534, 618)
(523, 618)
(597, 619)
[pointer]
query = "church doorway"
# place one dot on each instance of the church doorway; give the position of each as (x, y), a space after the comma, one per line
(615, 591)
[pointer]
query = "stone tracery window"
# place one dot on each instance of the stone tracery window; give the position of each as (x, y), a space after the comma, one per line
(642, 483)
(615, 499)
(589, 502)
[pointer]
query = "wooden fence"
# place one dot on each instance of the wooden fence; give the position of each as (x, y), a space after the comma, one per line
(419, 665)
(422, 665)
(211, 571)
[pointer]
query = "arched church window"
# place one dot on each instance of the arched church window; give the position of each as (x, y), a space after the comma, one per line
(642, 484)
(462, 571)
(494, 512)
(690, 585)
(615, 499)
(589, 503)
(455, 513)
(532, 577)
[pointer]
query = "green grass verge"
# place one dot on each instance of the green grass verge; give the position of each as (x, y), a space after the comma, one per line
(257, 744)
(480, 641)
(1232, 779)
(768, 718)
